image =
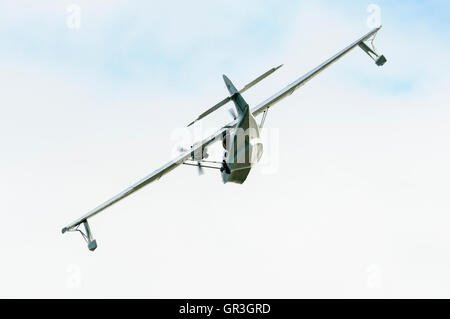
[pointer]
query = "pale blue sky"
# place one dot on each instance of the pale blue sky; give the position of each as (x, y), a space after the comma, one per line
(123, 45)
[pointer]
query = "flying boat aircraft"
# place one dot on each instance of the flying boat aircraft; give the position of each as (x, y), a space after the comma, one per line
(240, 138)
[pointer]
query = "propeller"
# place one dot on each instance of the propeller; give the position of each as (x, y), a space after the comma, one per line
(200, 169)
(233, 113)
(181, 149)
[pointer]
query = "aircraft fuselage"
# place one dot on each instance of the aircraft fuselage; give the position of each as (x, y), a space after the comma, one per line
(244, 149)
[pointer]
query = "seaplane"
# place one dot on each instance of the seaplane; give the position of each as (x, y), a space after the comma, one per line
(240, 138)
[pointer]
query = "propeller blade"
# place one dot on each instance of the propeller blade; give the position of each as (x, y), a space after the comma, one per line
(259, 79)
(200, 169)
(233, 113)
(181, 149)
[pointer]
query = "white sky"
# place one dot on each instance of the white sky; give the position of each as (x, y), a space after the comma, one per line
(357, 207)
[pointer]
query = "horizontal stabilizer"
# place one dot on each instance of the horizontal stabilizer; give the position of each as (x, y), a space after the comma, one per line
(259, 79)
(215, 107)
(228, 99)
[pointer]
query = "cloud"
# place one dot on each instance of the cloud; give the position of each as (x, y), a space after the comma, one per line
(363, 157)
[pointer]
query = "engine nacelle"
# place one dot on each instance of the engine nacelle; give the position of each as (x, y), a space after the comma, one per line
(200, 154)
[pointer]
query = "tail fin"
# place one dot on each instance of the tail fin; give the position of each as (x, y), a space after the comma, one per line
(229, 85)
(236, 97)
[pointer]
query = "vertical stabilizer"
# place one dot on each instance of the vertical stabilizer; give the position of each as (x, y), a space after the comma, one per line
(236, 97)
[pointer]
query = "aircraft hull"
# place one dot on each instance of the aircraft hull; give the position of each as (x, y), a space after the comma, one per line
(244, 151)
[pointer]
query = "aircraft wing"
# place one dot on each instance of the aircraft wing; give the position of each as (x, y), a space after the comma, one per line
(157, 174)
(288, 90)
